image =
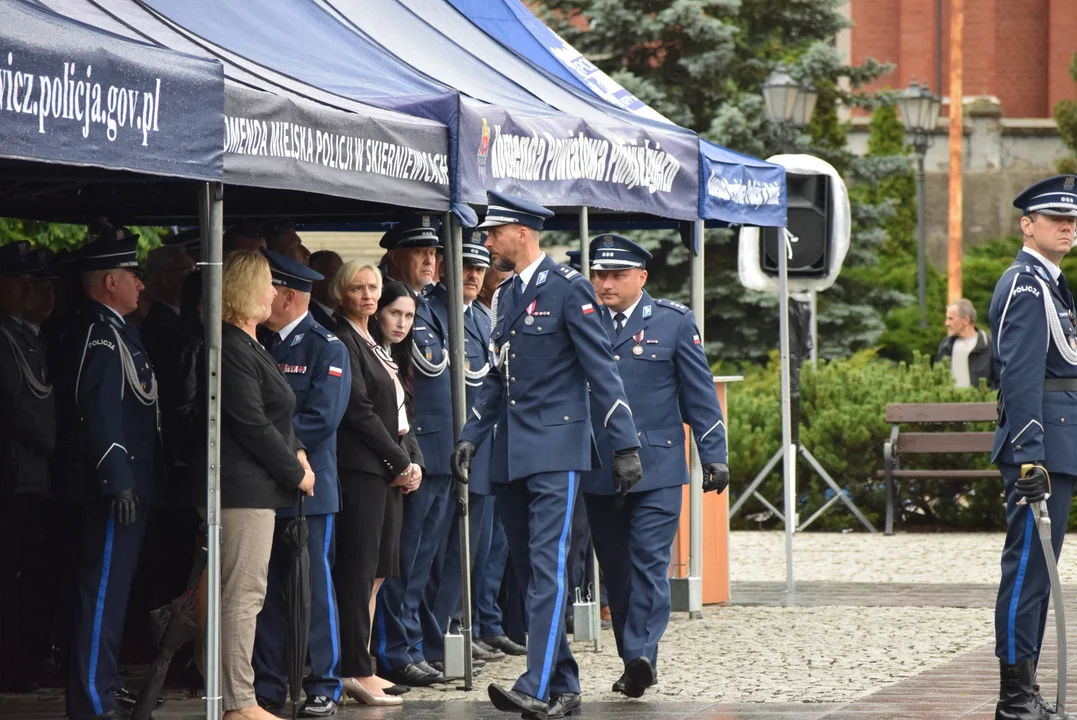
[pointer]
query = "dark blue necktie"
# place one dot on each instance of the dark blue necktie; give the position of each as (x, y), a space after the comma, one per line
(1065, 288)
(517, 290)
(272, 343)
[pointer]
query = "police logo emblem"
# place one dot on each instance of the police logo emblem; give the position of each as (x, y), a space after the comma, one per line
(637, 350)
(426, 221)
(1068, 183)
(529, 320)
(607, 241)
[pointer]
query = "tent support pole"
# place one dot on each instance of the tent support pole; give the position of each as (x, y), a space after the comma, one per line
(695, 489)
(211, 221)
(585, 270)
(454, 271)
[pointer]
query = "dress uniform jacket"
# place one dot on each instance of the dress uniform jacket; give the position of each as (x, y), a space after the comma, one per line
(660, 358)
(118, 431)
(478, 355)
(1036, 426)
(433, 387)
(27, 410)
(548, 345)
(315, 364)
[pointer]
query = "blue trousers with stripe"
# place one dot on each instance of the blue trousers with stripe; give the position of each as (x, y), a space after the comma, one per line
(398, 634)
(633, 538)
(1025, 590)
(491, 552)
(442, 598)
(270, 669)
(537, 513)
(108, 557)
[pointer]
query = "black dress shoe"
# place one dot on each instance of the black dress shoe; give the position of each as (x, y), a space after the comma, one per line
(414, 675)
(270, 706)
(514, 701)
(318, 706)
(127, 699)
(397, 690)
(564, 705)
(502, 643)
(485, 652)
(639, 675)
(619, 686)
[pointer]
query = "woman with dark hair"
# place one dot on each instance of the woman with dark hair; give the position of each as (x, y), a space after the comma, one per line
(393, 323)
(377, 459)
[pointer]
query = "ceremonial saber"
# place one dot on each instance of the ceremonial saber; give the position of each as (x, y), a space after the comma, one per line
(1043, 529)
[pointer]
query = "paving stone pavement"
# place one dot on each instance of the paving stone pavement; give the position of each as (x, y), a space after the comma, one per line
(877, 628)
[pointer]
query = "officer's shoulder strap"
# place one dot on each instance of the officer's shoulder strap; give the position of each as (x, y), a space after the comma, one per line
(321, 331)
(566, 273)
(672, 304)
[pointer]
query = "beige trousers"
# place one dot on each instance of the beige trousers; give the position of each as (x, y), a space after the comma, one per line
(246, 543)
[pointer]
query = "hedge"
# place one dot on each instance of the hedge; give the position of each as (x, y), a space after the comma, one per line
(843, 403)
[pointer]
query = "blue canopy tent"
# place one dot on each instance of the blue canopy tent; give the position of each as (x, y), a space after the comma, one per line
(734, 188)
(291, 148)
(501, 136)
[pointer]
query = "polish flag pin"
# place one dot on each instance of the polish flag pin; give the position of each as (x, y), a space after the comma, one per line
(336, 372)
(588, 309)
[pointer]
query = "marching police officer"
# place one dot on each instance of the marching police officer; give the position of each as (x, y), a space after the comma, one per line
(656, 347)
(116, 469)
(548, 344)
(27, 439)
(315, 363)
(1035, 349)
(398, 633)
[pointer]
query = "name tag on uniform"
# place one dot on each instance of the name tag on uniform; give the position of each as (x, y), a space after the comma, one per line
(293, 369)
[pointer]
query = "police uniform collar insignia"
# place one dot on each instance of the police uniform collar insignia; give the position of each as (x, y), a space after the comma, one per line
(115, 321)
(297, 339)
(1043, 273)
(646, 311)
(542, 278)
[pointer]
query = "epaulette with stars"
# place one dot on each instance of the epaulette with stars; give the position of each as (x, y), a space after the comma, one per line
(568, 273)
(682, 309)
(323, 331)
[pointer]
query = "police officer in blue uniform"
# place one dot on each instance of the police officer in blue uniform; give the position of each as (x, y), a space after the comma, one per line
(398, 633)
(548, 344)
(315, 363)
(443, 592)
(657, 349)
(1035, 350)
(115, 470)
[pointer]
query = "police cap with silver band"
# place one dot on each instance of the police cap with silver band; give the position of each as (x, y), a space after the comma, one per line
(475, 253)
(1053, 196)
(416, 231)
(289, 273)
(616, 252)
(574, 260)
(109, 248)
(504, 209)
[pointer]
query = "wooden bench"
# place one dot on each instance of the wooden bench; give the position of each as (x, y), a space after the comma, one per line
(911, 443)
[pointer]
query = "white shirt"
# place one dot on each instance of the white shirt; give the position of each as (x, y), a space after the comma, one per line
(529, 271)
(117, 314)
(959, 360)
(1055, 270)
(285, 331)
(627, 312)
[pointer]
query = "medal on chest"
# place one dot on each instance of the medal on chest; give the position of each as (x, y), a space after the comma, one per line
(530, 319)
(638, 339)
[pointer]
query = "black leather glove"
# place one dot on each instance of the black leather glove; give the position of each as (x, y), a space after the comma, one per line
(715, 477)
(1034, 485)
(627, 469)
(460, 461)
(125, 507)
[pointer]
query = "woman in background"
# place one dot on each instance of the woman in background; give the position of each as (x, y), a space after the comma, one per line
(377, 462)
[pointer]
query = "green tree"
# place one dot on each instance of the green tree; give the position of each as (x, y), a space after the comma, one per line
(1066, 119)
(702, 64)
(59, 237)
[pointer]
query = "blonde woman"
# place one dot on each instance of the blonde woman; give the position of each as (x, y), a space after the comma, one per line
(377, 460)
(263, 468)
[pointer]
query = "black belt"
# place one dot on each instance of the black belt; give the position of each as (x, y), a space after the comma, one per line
(1060, 385)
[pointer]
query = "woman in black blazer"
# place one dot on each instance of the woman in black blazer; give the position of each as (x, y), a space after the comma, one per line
(263, 468)
(377, 460)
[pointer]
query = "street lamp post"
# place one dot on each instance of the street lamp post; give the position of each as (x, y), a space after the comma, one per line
(920, 114)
